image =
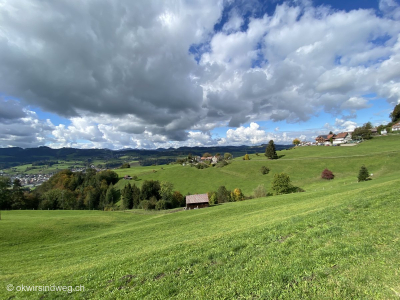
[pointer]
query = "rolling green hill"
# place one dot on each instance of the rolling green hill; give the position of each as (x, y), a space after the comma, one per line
(338, 240)
(304, 165)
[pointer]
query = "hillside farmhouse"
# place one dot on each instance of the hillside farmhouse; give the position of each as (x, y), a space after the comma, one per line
(396, 127)
(340, 138)
(206, 158)
(197, 201)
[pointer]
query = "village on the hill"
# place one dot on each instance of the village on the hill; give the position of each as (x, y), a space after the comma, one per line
(350, 138)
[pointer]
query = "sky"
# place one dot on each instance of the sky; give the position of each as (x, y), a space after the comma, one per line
(159, 74)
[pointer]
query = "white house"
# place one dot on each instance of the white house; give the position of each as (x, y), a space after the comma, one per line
(214, 160)
(341, 138)
(396, 127)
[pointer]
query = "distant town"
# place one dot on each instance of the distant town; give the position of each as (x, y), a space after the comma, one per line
(34, 180)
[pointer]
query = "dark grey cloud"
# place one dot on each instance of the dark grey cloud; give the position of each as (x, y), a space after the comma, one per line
(118, 58)
(10, 110)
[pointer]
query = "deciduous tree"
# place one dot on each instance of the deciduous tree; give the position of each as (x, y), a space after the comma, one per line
(177, 199)
(166, 190)
(150, 188)
(237, 195)
(223, 194)
(395, 114)
(281, 184)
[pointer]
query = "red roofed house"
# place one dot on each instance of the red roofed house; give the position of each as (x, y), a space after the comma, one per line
(325, 139)
(197, 201)
(396, 127)
(341, 138)
(321, 139)
(206, 158)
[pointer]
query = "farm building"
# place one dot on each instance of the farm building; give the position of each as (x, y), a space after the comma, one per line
(325, 139)
(341, 138)
(197, 201)
(396, 127)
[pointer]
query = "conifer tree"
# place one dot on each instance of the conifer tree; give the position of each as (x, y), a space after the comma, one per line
(363, 174)
(110, 195)
(135, 196)
(127, 198)
(270, 151)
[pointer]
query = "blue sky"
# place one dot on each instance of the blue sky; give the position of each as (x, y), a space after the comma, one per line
(227, 72)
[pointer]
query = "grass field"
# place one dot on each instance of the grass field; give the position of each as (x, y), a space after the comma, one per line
(303, 164)
(338, 240)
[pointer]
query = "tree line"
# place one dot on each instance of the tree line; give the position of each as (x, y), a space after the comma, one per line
(64, 190)
(152, 195)
(88, 190)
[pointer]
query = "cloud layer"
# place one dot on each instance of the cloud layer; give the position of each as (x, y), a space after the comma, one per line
(142, 74)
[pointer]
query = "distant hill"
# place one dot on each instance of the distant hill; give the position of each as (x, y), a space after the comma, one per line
(14, 156)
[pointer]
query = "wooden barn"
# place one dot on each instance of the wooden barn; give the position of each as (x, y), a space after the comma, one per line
(197, 201)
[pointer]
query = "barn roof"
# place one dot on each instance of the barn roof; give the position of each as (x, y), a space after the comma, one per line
(341, 135)
(199, 198)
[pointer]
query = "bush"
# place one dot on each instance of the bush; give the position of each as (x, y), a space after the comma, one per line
(327, 174)
(222, 164)
(246, 157)
(260, 191)
(144, 204)
(227, 156)
(363, 174)
(212, 196)
(201, 166)
(281, 184)
(161, 204)
(264, 170)
(152, 202)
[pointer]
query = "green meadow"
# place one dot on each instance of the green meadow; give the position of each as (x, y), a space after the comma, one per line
(338, 240)
(304, 165)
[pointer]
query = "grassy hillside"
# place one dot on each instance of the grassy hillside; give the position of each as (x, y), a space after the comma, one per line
(338, 240)
(342, 244)
(304, 165)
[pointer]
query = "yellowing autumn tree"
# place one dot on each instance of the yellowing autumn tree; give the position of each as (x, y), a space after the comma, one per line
(237, 195)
